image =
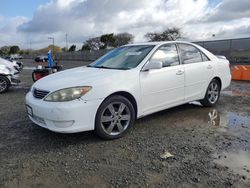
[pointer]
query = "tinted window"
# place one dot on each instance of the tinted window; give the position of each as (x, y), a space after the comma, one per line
(168, 55)
(190, 54)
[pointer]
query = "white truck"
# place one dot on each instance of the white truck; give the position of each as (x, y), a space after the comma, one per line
(8, 75)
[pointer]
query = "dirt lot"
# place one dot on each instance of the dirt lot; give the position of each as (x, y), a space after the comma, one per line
(210, 147)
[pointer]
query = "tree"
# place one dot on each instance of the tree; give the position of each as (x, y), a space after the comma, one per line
(94, 43)
(64, 49)
(107, 40)
(4, 50)
(85, 47)
(14, 49)
(169, 34)
(122, 39)
(1, 53)
(72, 48)
(45, 50)
(27, 52)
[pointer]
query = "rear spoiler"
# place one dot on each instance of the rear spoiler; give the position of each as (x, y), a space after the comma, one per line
(221, 57)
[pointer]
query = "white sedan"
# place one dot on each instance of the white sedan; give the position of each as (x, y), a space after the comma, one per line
(8, 75)
(127, 83)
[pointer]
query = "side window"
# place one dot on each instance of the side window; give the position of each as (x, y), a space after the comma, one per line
(190, 54)
(204, 57)
(168, 55)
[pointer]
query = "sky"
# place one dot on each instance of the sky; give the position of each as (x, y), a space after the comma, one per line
(29, 23)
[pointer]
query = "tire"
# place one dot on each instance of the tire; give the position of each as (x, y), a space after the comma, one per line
(115, 116)
(212, 94)
(4, 84)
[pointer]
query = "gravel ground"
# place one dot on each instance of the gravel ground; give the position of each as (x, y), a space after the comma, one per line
(203, 147)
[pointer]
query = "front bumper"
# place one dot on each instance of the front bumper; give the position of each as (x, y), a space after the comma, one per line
(14, 79)
(64, 117)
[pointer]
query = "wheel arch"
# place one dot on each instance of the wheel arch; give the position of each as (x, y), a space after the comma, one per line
(8, 82)
(6, 76)
(128, 96)
(219, 80)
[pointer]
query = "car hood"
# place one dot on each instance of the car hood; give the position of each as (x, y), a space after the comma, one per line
(8, 64)
(81, 76)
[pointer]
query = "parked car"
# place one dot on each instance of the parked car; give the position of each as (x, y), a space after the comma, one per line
(18, 65)
(8, 75)
(127, 83)
(41, 58)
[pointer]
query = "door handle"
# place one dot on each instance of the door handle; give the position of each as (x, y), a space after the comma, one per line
(179, 72)
(209, 67)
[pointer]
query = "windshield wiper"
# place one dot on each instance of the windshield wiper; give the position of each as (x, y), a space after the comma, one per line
(104, 67)
(99, 67)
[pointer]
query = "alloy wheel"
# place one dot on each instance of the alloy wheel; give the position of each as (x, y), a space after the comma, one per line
(115, 118)
(3, 84)
(213, 92)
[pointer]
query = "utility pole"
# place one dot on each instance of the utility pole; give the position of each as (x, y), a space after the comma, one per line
(53, 41)
(66, 37)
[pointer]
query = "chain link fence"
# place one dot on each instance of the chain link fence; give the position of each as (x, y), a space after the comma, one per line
(236, 50)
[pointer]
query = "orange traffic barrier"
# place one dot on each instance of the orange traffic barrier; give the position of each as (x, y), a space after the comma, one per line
(241, 72)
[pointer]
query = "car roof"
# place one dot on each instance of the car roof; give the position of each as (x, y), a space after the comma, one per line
(158, 43)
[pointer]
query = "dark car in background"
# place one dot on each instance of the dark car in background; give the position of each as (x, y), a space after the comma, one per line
(41, 58)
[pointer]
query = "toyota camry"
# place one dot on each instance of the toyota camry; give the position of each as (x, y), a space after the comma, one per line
(127, 83)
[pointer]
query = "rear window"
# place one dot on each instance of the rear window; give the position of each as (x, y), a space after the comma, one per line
(190, 54)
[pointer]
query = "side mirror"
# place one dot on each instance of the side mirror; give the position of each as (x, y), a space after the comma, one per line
(152, 64)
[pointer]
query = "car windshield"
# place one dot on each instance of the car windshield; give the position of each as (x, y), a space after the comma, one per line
(126, 57)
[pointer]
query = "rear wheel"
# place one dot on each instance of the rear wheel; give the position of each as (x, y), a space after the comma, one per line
(114, 117)
(213, 94)
(4, 84)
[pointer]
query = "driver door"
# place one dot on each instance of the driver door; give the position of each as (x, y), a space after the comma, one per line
(163, 88)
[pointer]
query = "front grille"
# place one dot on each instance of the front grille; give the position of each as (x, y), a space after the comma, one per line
(40, 94)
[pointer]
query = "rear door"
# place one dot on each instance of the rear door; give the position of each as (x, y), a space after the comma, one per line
(162, 88)
(198, 71)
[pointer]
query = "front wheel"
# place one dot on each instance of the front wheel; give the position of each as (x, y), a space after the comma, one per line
(4, 84)
(114, 117)
(212, 95)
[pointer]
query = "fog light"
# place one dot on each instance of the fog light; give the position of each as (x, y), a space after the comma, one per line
(39, 120)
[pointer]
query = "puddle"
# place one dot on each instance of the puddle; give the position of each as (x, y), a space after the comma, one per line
(238, 162)
(234, 121)
(237, 92)
(230, 120)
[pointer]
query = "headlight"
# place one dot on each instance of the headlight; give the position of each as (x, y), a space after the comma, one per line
(68, 94)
